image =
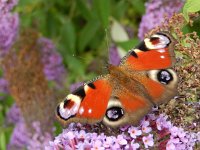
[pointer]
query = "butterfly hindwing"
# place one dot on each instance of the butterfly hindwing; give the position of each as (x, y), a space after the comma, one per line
(126, 108)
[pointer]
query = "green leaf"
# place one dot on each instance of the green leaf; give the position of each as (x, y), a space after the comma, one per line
(191, 6)
(50, 24)
(119, 9)
(127, 45)
(138, 6)
(87, 33)
(1, 115)
(2, 141)
(103, 10)
(75, 66)
(9, 100)
(68, 36)
(85, 12)
(58, 128)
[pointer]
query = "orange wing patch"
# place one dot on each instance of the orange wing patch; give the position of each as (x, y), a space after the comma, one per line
(94, 104)
(132, 103)
(149, 60)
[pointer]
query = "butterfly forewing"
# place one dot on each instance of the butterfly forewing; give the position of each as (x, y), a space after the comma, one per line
(87, 104)
(155, 52)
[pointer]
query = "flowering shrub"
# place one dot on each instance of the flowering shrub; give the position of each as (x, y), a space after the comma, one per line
(153, 131)
(22, 138)
(156, 11)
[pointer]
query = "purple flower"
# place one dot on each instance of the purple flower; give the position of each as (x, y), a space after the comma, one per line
(97, 145)
(75, 86)
(3, 88)
(114, 55)
(145, 126)
(148, 140)
(38, 140)
(81, 134)
(121, 140)
(124, 128)
(9, 25)
(170, 145)
(53, 67)
(77, 136)
(181, 147)
(198, 136)
(108, 142)
(174, 131)
(13, 115)
(70, 135)
(151, 116)
(7, 5)
(134, 145)
(80, 145)
(181, 133)
(161, 122)
(134, 132)
(22, 138)
(155, 12)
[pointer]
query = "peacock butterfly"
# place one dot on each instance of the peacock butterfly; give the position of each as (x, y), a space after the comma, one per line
(127, 93)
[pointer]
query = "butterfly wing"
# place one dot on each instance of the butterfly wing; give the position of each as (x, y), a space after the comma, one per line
(87, 104)
(152, 59)
(155, 52)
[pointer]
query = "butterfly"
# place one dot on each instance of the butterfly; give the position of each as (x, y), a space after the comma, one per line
(143, 79)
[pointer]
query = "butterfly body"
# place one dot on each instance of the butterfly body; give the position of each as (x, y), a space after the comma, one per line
(127, 93)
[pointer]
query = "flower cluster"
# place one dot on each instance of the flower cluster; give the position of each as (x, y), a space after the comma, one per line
(22, 138)
(53, 67)
(9, 25)
(156, 10)
(13, 115)
(154, 131)
(7, 5)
